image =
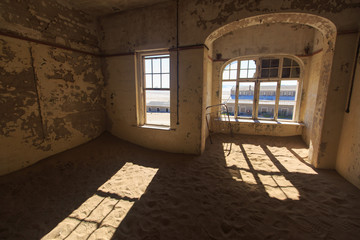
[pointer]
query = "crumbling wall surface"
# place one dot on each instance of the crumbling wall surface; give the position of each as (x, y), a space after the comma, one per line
(121, 104)
(149, 29)
(345, 50)
(49, 21)
(309, 97)
(348, 156)
(140, 29)
(206, 16)
(281, 38)
(50, 98)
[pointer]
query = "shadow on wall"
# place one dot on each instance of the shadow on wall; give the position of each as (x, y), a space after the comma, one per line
(241, 187)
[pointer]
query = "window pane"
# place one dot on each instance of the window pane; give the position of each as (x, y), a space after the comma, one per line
(274, 72)
(264, 73)
(156, 65)
(295, 72)
(243, 73)
(251, 73)
(287, 102)
(228, 95)
(233, 65)
(267, 99)
(165, 65)
(252, 64)
(165, 81)
(286, 72)
(227, 67)
(244, 64)
(274, 63)
(158, 107)
(265, 63)
(148, 66)
(233, 74)
(148, 82)
(287, 62)
(156, 81)
(246, 99)
(226, 74)
(294, 63)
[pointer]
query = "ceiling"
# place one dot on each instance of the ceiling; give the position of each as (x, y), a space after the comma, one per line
(105, 7)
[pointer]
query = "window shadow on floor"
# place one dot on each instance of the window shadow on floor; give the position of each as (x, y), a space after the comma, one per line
(259, 188)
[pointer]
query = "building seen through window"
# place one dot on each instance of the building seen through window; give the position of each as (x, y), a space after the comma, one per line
(156, 83)
(270, 93)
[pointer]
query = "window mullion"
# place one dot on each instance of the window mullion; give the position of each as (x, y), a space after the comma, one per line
(256, 99)
(276, 110)
(236, 105)
(236, 100)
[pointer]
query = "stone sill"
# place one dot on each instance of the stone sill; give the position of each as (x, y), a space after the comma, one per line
(261, 121)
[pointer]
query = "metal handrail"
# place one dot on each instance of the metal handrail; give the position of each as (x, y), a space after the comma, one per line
(227, 113)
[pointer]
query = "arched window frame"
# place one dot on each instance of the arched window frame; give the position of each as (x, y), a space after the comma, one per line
(257, 79)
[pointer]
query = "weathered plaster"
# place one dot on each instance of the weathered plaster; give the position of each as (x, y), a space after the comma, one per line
(348, 155)
(341, 72)
(184, 137)
(206, 16)
(49, 21)
(141, 29)
(50, 99)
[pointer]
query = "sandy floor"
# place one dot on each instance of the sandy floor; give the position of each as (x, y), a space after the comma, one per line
(245, 187)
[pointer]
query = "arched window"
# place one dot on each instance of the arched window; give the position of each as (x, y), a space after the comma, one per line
(251, 86)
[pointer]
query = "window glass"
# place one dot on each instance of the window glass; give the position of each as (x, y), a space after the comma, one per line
(156, 92)
(157, 101)
(269, 68)
(270, 82)
(228, 96)
(246, 99)
(287, 101)
(230, 71)
(267, 100)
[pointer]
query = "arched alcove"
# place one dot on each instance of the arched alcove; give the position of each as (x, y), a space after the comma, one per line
(328, 31)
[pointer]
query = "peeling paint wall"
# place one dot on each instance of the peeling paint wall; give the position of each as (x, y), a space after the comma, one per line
(348, 156)
(144, 29)
(140, 29)
(205, 16)
(277, 38)
(341, 72)
(310, 87)
(51, 99)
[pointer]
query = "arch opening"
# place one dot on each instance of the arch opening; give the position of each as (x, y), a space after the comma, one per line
(317, 59)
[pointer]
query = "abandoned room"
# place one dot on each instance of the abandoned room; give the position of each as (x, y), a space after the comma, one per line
(179, 119)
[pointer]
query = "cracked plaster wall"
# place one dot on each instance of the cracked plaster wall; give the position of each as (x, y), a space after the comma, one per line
(348, 156)
(148, 29)
(51, 99)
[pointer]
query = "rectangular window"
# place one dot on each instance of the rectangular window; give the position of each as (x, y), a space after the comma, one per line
(156, 89)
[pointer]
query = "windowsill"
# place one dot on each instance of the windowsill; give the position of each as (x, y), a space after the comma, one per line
(157, 127)
(259, 121)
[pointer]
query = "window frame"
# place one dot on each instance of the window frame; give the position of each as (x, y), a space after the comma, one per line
(257, 79)
(141, 87)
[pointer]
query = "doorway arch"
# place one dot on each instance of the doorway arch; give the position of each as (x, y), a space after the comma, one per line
(328, 31)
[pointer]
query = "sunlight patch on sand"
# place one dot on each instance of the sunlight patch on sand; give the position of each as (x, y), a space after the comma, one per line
(279, 187)
(100, 215)
(260, 161)
(289, 161)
